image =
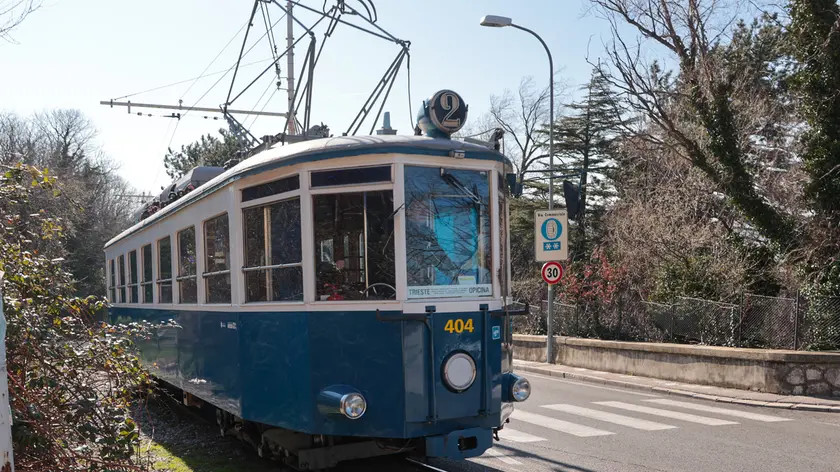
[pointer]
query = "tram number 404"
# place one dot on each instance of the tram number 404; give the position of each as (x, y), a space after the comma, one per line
(459, 326)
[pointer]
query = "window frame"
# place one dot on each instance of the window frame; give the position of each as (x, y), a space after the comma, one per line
(143, 282)
(159, 282)
(133, 286)
(205, 276)
(354, 189)
(121, 277)
(112, 281)
(180, 278)
(265, 204)
(503, 256)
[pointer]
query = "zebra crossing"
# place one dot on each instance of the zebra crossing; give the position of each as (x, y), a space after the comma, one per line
(648, 415)
(609, 412)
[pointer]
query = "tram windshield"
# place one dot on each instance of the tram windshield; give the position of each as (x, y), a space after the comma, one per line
(447, 232)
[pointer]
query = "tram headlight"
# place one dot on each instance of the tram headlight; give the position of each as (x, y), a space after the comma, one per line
(459, 371)
(353, 405)
(520, 389)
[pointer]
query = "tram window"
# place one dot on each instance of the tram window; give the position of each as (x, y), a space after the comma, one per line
(354, 246)
(358, 175)
(132, 276)
(121, 265)
(271, 188)
(146, 281)
(187, 287)
(217, 254)
(273, 260)
(503, 244)
(447, 233)
(165, 270)
(112, 286)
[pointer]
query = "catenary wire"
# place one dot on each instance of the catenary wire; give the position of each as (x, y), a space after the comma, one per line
(214, 59)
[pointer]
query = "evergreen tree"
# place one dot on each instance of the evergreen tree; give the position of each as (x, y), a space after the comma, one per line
(585, 142)
(207, 151)
(814, 34)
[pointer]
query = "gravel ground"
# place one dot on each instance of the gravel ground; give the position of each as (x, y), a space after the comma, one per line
(174, 439)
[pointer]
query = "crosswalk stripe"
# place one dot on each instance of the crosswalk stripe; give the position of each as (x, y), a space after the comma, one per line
(610, 417)
(558, 425)
(667, 413)
(519, 436)
(502, 457)
(720, 411)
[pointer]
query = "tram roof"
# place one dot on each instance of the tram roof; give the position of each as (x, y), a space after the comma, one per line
(316, 150)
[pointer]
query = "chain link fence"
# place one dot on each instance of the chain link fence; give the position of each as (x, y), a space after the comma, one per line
(756, 321)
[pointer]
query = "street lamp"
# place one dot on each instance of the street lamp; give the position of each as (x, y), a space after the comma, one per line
(494, 21)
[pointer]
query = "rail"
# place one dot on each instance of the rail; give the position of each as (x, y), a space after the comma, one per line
(424, 465)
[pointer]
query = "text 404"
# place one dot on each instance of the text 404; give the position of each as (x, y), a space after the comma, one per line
(459, 326)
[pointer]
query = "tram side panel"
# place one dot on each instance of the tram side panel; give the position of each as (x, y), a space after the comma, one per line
(355, 349)
(276, 369)
(269, 367)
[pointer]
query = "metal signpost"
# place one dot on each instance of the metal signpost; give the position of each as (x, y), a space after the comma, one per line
(551, 244)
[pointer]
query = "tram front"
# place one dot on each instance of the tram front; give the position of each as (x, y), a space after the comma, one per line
(458, 359)
(412, 277)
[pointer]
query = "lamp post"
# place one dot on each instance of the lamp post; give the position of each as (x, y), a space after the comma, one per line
(494, 21)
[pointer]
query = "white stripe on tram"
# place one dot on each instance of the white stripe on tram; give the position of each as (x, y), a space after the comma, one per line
(578, 430)
(518, 436)
(667, 413)
(502, 457)
(610, 417)
(720, 411)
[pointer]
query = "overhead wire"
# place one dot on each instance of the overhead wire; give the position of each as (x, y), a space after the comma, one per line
(203, 76)
(214, 59)
(259, 100)
(157, 174)
(234, 65)
(264, 105)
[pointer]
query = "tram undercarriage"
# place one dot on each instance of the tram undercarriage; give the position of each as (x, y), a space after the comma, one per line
(301, 451)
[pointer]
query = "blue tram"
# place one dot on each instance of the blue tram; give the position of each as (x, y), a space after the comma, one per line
(338, 298)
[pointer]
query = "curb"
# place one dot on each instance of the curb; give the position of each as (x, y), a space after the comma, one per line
(677, 392)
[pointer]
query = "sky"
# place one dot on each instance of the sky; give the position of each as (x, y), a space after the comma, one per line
(76, 53)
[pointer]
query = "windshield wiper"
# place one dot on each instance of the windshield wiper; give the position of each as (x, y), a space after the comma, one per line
(453, 181)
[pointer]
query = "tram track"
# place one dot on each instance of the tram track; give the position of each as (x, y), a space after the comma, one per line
(423, 465)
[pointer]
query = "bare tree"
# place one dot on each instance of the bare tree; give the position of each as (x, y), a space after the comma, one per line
(670, 232)
(12, 14)
(522, 115)
(711, 110)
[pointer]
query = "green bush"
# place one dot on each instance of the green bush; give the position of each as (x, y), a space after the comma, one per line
(71, 378)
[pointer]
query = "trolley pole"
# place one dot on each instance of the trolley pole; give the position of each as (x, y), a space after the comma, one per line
(290, 64)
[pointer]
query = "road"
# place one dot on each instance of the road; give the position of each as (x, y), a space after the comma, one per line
(580, 427)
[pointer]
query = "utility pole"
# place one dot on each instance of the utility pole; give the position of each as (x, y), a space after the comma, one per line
(290, 45)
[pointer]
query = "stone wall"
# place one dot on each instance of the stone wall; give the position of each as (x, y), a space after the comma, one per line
(813, 379)
(772, 371)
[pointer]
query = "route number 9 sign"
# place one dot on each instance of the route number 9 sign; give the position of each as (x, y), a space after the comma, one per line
(552, 272)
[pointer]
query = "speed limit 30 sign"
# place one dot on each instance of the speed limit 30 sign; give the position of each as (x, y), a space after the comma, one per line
(552, 272)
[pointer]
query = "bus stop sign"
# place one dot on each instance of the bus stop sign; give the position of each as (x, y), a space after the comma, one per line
(551, 235)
